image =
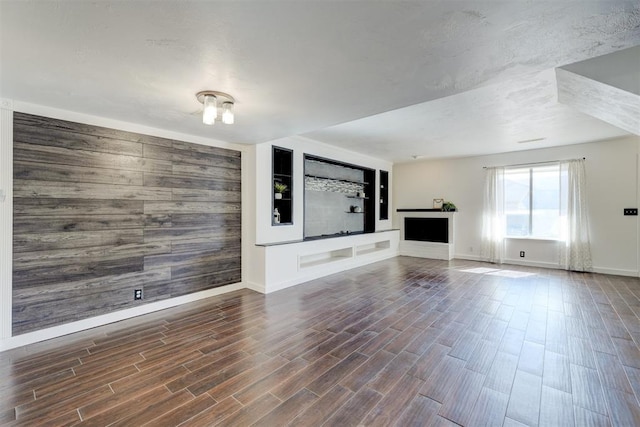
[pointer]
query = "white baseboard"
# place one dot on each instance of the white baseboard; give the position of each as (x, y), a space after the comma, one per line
(255, 287)
(468, 257)
(81, 325)
(616, 271)
(540, 264)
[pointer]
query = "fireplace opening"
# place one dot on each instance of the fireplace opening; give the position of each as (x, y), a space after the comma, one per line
(427, 229)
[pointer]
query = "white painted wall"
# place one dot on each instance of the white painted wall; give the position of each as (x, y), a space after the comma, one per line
(612, 180)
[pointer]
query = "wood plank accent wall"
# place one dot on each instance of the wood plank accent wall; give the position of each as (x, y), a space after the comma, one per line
(100, 212)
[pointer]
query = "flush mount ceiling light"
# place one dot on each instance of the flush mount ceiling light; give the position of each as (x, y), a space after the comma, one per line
(210, 99)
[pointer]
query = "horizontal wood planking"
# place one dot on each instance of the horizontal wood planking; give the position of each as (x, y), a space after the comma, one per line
(45, 275)
(154, 207)
(64, 156)
(190, 195)
(79, 288)
(59, 207)
(193, 157)
(167, 181)
(63, 173)
(188, 258)
(98, 211)
(79, 239)
(76, 141)
(185, 169)
(38, 224)
(189, 285)
(64, 190)
(184, 234)
(27, 260)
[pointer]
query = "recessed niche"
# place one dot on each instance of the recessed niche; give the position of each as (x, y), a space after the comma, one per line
(335, 191)
(325, 257)
(282, 177)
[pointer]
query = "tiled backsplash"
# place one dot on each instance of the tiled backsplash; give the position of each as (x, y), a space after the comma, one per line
(332, 185)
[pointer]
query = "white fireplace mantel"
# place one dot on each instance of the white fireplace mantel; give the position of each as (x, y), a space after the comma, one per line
(420, 249)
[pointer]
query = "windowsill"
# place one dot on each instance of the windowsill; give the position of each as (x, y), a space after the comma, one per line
(539, 239)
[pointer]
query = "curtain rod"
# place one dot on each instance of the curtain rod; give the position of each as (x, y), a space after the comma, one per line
(533, 163)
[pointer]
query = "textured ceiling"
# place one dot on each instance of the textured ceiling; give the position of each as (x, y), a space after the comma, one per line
(390, 79)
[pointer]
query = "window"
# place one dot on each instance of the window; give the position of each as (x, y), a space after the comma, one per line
(535, 202)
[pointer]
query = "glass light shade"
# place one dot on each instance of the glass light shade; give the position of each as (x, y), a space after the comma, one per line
(210, 110)
(227, 113)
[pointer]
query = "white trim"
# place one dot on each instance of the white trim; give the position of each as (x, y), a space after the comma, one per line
(513, 262)
(541, 264)
(615, 271)
(116, 316)
(468, 257)
(255, 287)
(6, 216)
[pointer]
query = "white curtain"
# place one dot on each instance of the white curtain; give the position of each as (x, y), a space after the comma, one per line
(575, 251)
(493, 225)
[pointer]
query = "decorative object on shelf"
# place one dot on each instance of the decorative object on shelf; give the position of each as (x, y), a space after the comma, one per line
(449, 207)
(360, 194)
(279, 189)
(276, 216)
(209, 99)
(437, 203)
(358, 209)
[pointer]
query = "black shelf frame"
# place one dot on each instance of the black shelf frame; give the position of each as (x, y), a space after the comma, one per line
(384, 195)
(282, 171)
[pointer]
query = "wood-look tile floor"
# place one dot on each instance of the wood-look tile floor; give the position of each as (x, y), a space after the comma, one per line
(402, 342)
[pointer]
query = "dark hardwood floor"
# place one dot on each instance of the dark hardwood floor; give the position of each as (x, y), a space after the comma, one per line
(402, 342)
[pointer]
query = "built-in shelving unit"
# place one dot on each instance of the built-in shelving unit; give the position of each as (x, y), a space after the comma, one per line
(370, 248)
(320, 258)
(282, 173)
(299, 261)
(348, 252)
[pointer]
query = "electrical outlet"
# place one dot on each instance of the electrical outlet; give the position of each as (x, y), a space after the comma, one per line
(630, 211)
(137, 294)
(521, 254)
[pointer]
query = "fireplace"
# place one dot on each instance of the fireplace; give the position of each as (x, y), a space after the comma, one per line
(427, 229)
(427, 233)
